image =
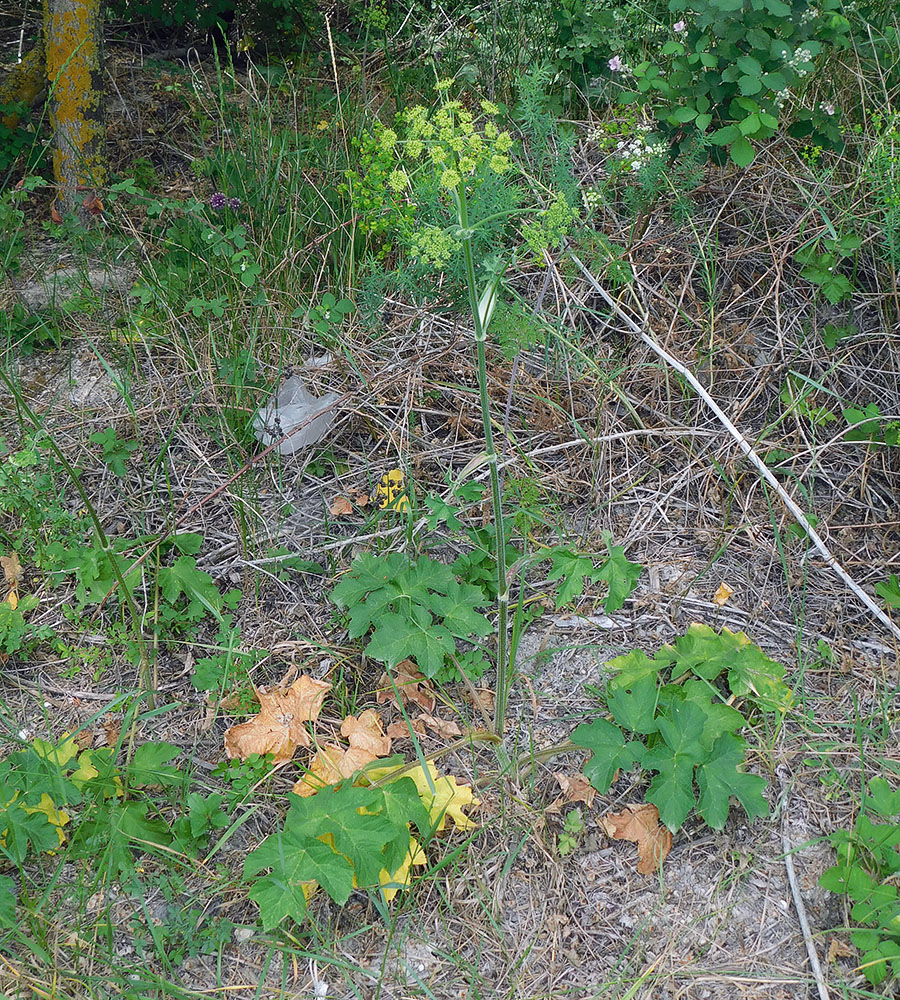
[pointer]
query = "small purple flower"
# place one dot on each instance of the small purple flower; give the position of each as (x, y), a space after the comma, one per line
(616, 65)
(217, 201)
(234, 204)
(678, 27)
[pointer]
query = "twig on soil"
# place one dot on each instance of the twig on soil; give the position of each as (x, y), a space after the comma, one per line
(746, 448)
(801, 913)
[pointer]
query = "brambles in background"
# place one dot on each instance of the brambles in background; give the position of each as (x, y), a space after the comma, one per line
(116, 451)
(677, 708)
(866, 872)
(729, 67)
(821, 260)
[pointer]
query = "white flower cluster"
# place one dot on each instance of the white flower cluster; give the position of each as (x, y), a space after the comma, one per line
(591, 198)
(827, 108)
(809, 15)
(638, 152)
(801, 56)
(780, 97)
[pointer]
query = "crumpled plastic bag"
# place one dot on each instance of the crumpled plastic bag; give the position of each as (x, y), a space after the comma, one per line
(292, 405)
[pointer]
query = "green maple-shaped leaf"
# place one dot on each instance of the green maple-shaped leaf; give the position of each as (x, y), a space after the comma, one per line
(751, 672)
(363, 837)
(428, 574)
(609, 751)
(720, 718)
(26, 832)
(397, 637)
(633, 667)
(295, 861)
(183, 577)
(704, 651)
(621, 576)
(881, 799)
(682, 728)
(672, 789)
(634, 705)
(889, 592)
(367, 574)
(720, 777)
(402, 806)
(440, 510)
(150, 766)
(457, 611)
(572, 569)
(366, 613)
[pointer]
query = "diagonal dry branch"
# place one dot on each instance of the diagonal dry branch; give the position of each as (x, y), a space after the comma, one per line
(746, 448)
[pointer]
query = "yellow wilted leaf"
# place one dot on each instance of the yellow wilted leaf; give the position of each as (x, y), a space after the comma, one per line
(392, 884)
(12, 573)
(60, 753)
(722, 594)
(56, 817)
(441, 796)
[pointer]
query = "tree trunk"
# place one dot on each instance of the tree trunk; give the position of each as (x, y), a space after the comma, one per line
(73, 39)
(24, 82)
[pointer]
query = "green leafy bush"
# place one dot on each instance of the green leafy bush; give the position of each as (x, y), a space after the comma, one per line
(730, 66)
(412, 608)
(866, 872)
(675, 709)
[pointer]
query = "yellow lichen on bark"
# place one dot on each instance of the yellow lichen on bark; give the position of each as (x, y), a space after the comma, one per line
(73, 41)
(24, 82)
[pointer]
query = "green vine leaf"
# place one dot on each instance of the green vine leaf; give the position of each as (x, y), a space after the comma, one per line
(414, 609)
(720, 777)
(620, 575)
(610, 751)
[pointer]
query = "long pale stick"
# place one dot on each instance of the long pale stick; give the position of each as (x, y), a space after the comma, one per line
(746, 448)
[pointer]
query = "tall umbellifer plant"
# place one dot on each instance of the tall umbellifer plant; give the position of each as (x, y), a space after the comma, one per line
(450, 152)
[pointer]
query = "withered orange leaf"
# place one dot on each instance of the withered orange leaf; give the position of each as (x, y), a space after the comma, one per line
(367, 733)
(442, 727)
(279, 727)
(722, 594)
(576, 788)
(411, 685)
(330, 765)
(639, 823)
(481, 697)
(400, 730)
(12, 569)
(340, 506)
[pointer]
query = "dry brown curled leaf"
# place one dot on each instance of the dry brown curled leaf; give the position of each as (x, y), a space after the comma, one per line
(446, 730)
(279, 727)
(482, 698)
(411, 685)
(722, 594)
(340, 506)
(330, 765)
(639, 823)
(576, 788)
(12, 573)
(400, 730)
(367, 733)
